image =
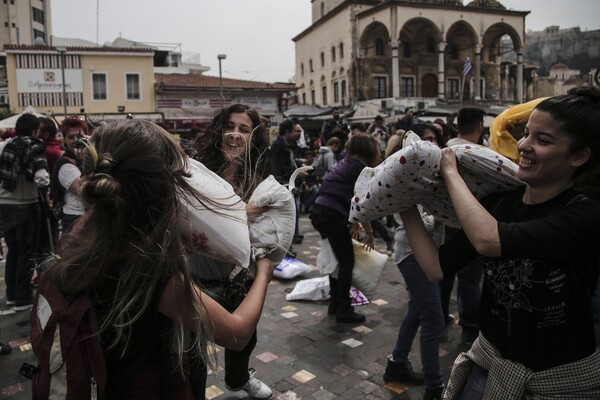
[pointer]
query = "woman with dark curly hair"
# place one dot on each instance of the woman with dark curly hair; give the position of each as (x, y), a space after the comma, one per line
(234, 147)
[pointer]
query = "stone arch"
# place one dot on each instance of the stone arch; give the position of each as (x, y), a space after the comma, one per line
(419, 37)
(374, 32)
(462, 35)
(379, 69)
(492, 39)
(406, 69)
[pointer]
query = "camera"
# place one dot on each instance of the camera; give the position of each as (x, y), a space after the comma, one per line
(81, 143)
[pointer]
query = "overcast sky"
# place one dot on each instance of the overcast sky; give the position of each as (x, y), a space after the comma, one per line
(256, 35)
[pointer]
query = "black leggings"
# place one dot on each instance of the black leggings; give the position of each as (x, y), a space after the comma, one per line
(333, 226)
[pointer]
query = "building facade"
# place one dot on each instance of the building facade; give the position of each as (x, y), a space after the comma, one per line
(193, 96)
(372, 49)
(97, 80)
(21, 22)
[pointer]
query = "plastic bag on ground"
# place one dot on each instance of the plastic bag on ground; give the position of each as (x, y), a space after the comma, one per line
(310, 289)
(290, 268)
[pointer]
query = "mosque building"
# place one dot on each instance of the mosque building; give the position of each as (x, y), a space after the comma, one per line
(425, 50)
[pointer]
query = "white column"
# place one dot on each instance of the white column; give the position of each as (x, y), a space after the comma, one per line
(395, 43)
(520, 76)
(395, 70)
(441, 72)
(477, 72)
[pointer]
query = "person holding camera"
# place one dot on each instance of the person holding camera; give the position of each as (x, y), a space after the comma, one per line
(337, 127)
(66, 176)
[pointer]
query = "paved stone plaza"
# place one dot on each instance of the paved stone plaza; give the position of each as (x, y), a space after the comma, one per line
(301, 353)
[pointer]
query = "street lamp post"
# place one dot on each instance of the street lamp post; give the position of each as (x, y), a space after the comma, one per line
(221, 57)
(62, 50)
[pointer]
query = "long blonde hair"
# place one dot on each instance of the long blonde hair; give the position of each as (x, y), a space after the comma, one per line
(134, 173)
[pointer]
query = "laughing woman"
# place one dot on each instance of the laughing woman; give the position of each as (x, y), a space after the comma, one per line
(234, 147)
(541, 249)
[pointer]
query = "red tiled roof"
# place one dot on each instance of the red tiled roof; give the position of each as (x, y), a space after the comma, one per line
(212, 82)
(77, 49)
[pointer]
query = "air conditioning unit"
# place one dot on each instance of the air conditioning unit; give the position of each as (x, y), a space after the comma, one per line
(421, 106)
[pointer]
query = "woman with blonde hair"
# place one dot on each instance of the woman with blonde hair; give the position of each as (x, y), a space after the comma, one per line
(127, 254)
(394, 143)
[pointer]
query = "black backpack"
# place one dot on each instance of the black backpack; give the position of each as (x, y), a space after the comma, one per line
(57, 192)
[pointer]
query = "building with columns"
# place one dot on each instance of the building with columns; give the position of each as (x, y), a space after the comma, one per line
(357, 50)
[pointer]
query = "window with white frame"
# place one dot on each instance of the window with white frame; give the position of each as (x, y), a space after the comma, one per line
(407, 86)
(132, 82)
(453, 89)
(379, 86)
(324, 92)
(99, 86)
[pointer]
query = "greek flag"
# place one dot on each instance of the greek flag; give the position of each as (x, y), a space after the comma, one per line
(467, 66)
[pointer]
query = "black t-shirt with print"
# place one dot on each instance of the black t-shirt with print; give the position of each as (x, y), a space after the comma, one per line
(535, 302)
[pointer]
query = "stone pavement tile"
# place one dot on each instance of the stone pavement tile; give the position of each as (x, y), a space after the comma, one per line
(323, 394)
(343, 369)
(362, 329)
(212, 392)
(267, 357)
(284, 385)
(352, 342)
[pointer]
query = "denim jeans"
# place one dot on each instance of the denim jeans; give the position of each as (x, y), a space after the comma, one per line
(423, 310)
(20, 224)
(475, 386)
(468, 294)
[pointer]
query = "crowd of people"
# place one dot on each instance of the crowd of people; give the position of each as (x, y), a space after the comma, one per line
(98, 214)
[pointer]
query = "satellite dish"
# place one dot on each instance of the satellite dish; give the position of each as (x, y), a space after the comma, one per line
(39, 41)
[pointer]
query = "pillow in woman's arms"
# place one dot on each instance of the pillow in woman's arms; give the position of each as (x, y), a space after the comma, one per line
(411, 176)
(218, 229)
(272, 232)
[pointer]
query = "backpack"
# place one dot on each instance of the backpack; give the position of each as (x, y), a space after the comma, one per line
(66, 343)
(71, 363)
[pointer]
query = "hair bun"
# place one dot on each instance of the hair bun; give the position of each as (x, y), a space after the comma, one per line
(102, 190)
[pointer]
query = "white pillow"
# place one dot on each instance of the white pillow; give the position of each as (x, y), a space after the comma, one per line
(272, 232)
(219, 231)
